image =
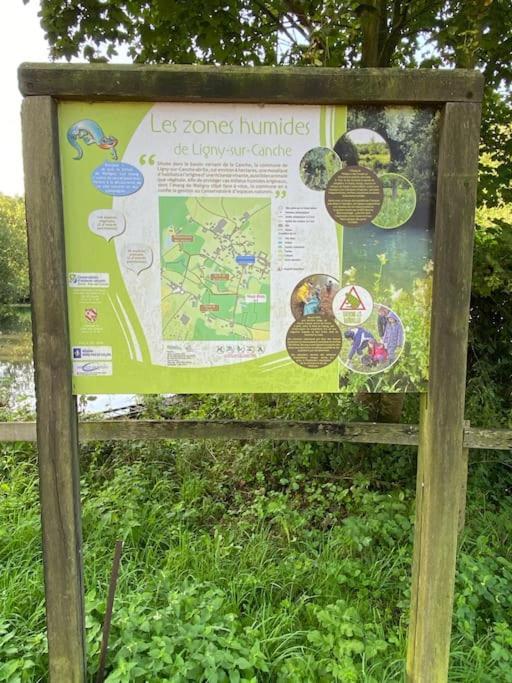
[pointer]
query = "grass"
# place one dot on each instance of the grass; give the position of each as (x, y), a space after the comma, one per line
(255, 562)
(396, 211)
(376, 159)
(16, 337)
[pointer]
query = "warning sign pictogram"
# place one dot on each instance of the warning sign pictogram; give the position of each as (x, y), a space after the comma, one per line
(352, 305)
(352, 301)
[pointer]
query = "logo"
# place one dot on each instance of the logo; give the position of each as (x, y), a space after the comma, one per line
(77, 353)
(352, 305)
(91, 314)
(352, 301)
(88, 368)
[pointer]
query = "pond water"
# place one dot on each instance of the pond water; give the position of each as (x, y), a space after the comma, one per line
(17, 390)
(407, 249)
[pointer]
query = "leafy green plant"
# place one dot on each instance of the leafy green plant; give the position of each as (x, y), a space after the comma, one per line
(191, 637)
(254, 561)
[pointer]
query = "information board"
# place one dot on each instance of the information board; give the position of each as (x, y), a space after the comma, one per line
(248, 248)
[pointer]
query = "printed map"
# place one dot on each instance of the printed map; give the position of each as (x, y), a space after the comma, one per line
(215, 268)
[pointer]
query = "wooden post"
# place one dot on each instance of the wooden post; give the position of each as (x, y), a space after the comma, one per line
(441, 470)
(56, 407)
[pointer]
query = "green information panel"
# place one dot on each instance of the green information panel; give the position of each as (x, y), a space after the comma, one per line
(248, 248)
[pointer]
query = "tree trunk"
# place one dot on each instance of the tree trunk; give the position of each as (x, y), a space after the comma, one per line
(369, 16)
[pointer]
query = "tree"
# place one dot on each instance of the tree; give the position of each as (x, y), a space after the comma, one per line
(382, 33)
(13, 247)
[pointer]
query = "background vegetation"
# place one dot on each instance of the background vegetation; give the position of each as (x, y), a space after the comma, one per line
(256, 562)
(318, 166)
(278, 562)
(13, 256)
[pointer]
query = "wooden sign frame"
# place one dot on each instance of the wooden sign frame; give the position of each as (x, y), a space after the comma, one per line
(442, 457)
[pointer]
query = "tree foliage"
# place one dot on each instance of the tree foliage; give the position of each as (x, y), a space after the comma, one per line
(382, 33)
(13, 247)
(464, 33)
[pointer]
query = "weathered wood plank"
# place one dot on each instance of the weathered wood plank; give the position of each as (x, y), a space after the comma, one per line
(17, 431)
(56, 407)
(463, 484)
(441, 463)
(493, 439)
(355, 432)
(295, 85)
(363, 432)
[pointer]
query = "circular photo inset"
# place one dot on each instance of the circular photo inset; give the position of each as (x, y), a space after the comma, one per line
(353, 196)
(352, 305)
(364, 147)
(318, 166)
(376, 345)
(399, 201)
(313, 341)
(314, 295)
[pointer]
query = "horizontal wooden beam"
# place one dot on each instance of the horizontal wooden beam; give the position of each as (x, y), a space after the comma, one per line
(17, 431)
(493, 439)
(125, 430)
(249, 430)
(274, 430)
(292, 85)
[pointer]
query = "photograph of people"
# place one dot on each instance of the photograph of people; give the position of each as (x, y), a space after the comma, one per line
(377, 345)
(300, 297)
(312, 305)
(361, 338)
(393, 337)
(314, 295)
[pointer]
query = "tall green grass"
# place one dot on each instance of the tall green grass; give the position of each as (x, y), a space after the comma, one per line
(254, 562)
(396, 211)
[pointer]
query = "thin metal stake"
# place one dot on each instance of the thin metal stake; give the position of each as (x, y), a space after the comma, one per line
(108, 614)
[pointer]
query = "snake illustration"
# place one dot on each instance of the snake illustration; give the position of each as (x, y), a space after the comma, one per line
(91, 133)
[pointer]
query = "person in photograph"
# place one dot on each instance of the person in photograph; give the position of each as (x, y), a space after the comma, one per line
(326, 296)
(382, 320)
(312, 305)
(376, 355)
(300, 297)
(360, 337)
(393, 338)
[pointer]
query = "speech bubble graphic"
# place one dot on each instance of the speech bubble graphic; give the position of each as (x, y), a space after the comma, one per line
(117, 179)
(137, 257)
(107, 223)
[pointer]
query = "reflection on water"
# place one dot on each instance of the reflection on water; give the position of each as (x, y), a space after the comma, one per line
(407, 250)
(17, 385)
(17, 391)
